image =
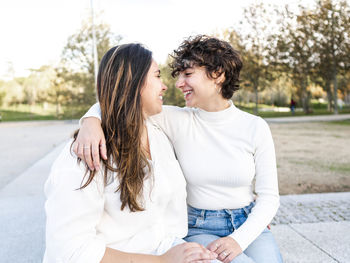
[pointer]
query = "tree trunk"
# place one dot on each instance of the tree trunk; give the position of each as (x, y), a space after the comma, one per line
(58, 107)
(304, 97)
(256, 109)
(329, 97)
(335, 90)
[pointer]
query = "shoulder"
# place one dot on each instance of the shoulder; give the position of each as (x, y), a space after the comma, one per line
(171, 116)
(250, 119)
(66, 159)
(254, 126)
(67, 171)
(175, 111)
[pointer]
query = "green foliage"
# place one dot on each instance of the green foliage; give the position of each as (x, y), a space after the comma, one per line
(2, 93)
(293, 52)
(331, 31)
(253, 47)
(172, 96)
(78, 59)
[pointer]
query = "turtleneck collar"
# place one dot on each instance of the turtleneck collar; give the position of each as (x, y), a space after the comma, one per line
(218, 116)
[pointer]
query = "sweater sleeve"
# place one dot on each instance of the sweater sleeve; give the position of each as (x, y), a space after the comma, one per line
(72, 215)
(169, 120)
(94, 111)
(266, 188)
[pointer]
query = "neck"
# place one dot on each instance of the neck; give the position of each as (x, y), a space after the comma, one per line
(215, 105)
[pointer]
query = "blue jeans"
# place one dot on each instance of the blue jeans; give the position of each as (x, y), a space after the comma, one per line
(205, 226)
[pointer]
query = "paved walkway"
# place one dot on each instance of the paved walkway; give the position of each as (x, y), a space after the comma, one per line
(339, 117)
(314, 227)
(23, 143)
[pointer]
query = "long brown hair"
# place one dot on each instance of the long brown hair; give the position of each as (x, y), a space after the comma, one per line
(122, 74)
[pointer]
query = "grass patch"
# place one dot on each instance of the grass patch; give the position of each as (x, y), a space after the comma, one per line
(26, 113)
(344, 122)
(8, 115)
(341, 167)
(315, 110)
(316, 165)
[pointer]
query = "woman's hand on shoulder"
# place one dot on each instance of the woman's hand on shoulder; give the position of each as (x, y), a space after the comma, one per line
(226, 248)
(91, 143)
(188, 253)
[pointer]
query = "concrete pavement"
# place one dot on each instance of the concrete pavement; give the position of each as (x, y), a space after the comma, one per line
(23, 143)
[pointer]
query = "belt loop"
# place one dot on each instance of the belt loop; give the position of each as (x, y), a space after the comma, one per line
(203, 212)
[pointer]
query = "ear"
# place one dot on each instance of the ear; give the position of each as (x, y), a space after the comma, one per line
(219, 80)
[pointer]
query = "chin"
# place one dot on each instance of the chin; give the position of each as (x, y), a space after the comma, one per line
(189, 104)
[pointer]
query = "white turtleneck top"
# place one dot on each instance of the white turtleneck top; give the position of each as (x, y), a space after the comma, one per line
(220, 154)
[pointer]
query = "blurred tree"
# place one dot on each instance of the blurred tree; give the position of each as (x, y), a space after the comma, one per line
(331, 30)
(173, 96)
(2, 92)
(14, 91)
(77, 57)
(60, 92)
(35, 85)
(254, 49)
(293, 51)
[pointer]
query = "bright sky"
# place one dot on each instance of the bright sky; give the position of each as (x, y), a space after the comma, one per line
(33, 33)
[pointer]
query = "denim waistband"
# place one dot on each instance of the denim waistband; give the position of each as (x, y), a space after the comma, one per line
(219, 213)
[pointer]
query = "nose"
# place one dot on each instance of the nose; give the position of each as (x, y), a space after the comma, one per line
(180, 82)
(164, 87)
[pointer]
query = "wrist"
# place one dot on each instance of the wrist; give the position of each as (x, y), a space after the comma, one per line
(162, 258)
(91, 119)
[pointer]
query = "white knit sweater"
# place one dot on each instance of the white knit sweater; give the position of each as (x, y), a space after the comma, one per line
(220, 154)
(82, 223)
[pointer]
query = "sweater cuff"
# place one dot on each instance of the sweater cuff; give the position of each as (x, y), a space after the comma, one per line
(94, 111)
(242, 242)
(91, 251)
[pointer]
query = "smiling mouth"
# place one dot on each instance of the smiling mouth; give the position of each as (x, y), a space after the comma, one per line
(187, 93)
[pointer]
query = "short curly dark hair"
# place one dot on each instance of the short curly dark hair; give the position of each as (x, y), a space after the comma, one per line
(217, 56)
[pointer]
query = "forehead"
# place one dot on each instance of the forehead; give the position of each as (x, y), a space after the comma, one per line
(154, 65)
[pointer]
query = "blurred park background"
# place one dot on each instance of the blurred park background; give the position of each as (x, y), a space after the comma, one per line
(299, 52)
(292, 51)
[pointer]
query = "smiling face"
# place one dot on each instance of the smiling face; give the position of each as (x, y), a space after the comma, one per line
(199, 90)
(152, 92)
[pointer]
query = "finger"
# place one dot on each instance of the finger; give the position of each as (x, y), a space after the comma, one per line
(81, 151)
(269, 226)
(103, 149)
(95, 156)
(196, 255)
(222, 252)
(87, 157)
(213, 245)
(190, 245)
(222, 256)
(207, 250)
(229, 258)
(75, 148)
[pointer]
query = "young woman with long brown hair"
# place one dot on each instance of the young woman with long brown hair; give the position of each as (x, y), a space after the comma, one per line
(134, 208)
